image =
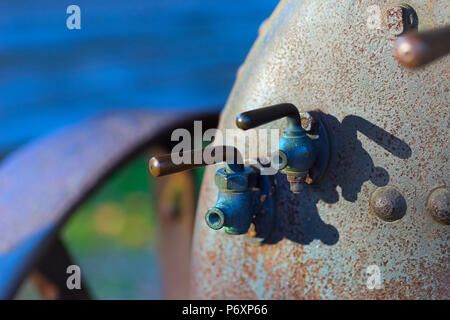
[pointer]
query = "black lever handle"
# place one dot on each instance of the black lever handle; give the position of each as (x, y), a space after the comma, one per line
(163, 164)
(254, 118)
(415, 49)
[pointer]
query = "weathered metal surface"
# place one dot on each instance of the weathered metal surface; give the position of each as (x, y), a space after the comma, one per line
(389, 126)
(43, 182)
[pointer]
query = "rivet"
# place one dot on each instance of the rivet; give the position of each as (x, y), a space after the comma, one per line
(388, 203)
(438, 205)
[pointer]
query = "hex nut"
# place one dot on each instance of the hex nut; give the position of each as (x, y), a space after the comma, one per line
(236, 181)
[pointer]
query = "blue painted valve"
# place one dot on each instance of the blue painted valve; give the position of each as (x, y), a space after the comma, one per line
(304, 147)
(244, 194)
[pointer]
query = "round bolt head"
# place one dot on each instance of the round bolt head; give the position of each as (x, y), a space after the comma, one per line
(438, 205)
(388, 203)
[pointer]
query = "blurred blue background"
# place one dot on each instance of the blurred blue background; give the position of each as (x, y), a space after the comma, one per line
(153, 54)
(160, 54)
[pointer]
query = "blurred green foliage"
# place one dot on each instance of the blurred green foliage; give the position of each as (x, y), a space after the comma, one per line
(113, 237)
(120, 214)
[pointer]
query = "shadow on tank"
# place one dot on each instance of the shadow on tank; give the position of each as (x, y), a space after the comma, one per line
(350, 166)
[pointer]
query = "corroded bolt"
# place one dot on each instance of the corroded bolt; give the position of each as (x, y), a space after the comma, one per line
(388, 203)
(308, 122)
(438, 205)
(401, 18)
(297, 181)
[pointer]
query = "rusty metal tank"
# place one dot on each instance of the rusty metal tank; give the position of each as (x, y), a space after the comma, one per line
(384, 199)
